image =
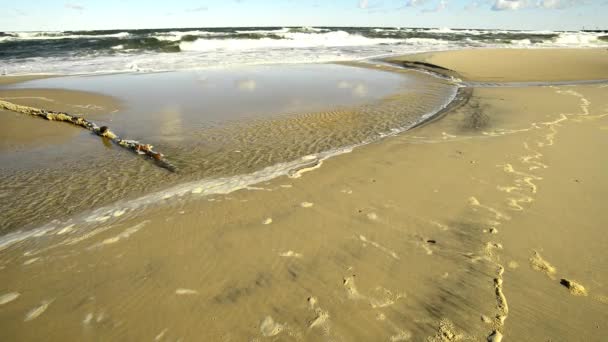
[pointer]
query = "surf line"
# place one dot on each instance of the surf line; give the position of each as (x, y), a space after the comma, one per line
(103, 131)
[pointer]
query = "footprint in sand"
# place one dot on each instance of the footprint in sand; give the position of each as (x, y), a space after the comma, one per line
(321, 319)
(491, 230)
(386, 298)
(270, 328)
(538, 263)
(351, 289)
(575, 288)
(446, 333)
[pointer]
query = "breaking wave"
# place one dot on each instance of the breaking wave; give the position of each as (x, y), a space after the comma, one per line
(171, 49)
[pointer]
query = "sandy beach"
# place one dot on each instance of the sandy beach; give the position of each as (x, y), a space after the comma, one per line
(484, 225)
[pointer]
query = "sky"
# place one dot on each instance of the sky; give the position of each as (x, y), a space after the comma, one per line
(57, 15)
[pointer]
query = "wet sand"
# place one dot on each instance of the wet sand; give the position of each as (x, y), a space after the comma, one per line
(6, 80)
(210, 124)
(463, 229)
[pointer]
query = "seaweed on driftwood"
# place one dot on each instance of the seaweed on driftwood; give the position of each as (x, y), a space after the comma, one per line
(103, 131)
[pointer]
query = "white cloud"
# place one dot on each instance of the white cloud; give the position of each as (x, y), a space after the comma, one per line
(509, 5)
(363, 4)
(75, 7)
(505, 5)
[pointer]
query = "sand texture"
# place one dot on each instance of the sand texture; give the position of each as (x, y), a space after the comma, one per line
(520, 65)
(486, 225)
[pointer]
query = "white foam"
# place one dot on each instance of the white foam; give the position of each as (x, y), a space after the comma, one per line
(306, 45)
(124, 235)
(577, 39)
(426, 41)
(46, 35)
(291, 40)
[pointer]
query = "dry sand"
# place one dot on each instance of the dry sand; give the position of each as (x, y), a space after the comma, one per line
(460, 230)
(520, 65)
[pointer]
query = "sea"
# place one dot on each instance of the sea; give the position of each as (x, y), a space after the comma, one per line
(150, 50)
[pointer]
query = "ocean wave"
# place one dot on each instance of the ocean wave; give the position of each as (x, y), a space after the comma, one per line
(286, 40)
(577, 39)
(64, 35)
(195, 48)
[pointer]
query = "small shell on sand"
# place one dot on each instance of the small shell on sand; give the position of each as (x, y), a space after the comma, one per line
(575, 288)
(306, 204)
(267, 221)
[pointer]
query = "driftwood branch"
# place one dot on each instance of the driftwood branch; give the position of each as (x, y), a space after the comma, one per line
(103, 131)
